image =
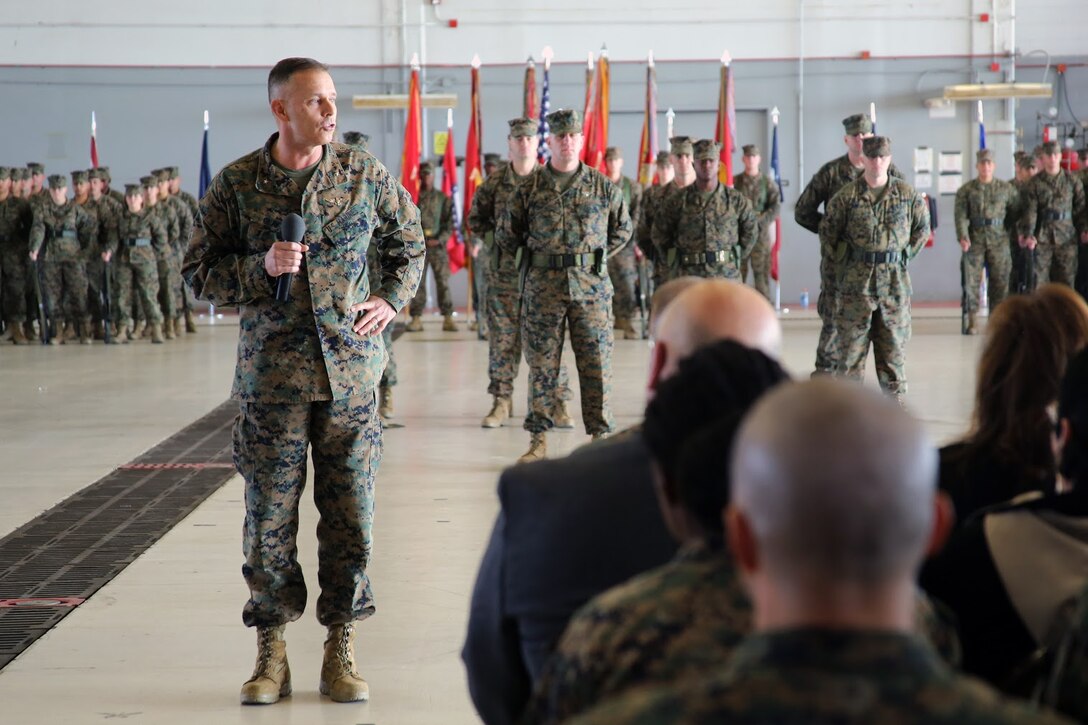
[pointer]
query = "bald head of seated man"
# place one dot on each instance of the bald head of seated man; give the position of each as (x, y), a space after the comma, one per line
(570, 528)
(834, 505)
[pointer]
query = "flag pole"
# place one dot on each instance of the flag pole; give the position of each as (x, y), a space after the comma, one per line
(872, 115)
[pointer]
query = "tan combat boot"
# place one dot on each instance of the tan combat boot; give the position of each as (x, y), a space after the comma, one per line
(538, 449)
(623, 324)
(561, 415)
(500, 411)
(190, 322)
(156, 333)
(385, 402)
(86, 331)
(339, 679)
(972, 323)
(271, 678)
(70, 332)
(168, 328)
(414, 325)
(18, 335)
(448, 325)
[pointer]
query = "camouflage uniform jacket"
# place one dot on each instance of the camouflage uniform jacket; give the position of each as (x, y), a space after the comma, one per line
(762, 194)
(186, 222)
(632, 197)
(490, 214)
(131, 226)
(985, 211)
(191, 202)
(819, 677)
(652, 200)
(859, 220)
(435, 215)
(587, 216)
(1047, 195)
(14, 225)
(168, 216)
(106, 211)
(827, 182)
(68, 231)
(305, 350)
(117, 196)
(678, 621)
(690, 222)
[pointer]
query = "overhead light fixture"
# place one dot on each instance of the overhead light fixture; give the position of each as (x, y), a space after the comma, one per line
(984, 91)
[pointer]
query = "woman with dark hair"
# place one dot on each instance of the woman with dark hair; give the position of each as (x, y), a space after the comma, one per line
(1029, 341)
(1010, 571)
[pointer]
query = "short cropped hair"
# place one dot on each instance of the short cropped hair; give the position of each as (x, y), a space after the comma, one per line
(282, 72)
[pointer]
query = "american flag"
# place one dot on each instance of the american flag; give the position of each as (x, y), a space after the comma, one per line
(542, 152)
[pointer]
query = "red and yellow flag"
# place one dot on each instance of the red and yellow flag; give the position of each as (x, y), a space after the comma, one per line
(595, 119)
(647, 149)
(413, 135)
(724, 129)
(529, 109)
(473, 163)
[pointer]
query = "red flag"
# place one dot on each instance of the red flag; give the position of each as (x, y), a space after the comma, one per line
(647, 150)
(776, 247)
(473, 163)
(530, 109)
(94, 146)
(413, 136)
(726, 123)
(454, 247)
(595, 120)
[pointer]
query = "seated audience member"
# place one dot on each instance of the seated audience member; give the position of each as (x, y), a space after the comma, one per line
(1009, 572)
(833, 507)
(570, 528)
(1007, 452)
(685, 618)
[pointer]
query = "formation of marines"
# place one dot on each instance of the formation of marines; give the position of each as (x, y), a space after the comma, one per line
(96, 264)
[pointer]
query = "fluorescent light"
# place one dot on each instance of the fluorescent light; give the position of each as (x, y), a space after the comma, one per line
(976, 91)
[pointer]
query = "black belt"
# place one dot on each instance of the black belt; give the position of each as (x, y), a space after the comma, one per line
(562, 261)
(718, 257)
(878, 257)
(1056, 216)
(976, 223)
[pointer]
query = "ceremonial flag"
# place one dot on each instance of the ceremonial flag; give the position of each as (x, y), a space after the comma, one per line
(981, 129)
(455, 247)
(205, 164)
(473, 163)
(726, 124)
(595, 123)
(529, 106)
(543, 153)
(413, 135)
(647, 150)
(94, 146)
(776, 247)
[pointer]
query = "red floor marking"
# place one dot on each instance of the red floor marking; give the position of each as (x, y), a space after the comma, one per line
(42, 602)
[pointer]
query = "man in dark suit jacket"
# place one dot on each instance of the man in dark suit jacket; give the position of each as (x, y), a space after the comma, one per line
(573, 527)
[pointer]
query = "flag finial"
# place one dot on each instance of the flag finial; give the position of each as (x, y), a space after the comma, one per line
(205, 119)
(476, 61)
(415, 61)
(650, 59)
(589, 60)
(726, 58)
(774, 115)
(547, 54)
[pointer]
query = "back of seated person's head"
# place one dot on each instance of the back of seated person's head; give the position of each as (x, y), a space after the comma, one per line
(1029, 341)
(1072, 427)
(709, 311)
(663, 297)
(834, 506)
(689, 426)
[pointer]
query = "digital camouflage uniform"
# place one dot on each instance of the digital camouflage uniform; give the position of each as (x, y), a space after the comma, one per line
(106, 211)
(14, 244)
(823, 677)
(374, 271)
(1082, 255)
(981, 214)
(186, 222)
(135, 242)
(490, 214)
(652, 201)
(169, 275)
(583, 217)
(1054, 213)
(825, 183)
(872, 234)
(623, 267)
(304, 378)
(62, 236)
(669, 625)
(1016, 252)
(436, 216)
(705, 234)
(762, 194)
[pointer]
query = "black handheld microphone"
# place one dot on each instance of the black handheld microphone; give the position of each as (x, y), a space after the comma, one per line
(293, 229)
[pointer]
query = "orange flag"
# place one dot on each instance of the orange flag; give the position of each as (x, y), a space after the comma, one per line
(530, 109)
(647, 150)
(413, 136)
(473, 163)
(726, 124)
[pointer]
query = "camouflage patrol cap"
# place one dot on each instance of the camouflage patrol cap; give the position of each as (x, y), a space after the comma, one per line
(98, 173)
(58, 181)
(79, 177)
(356, 138)
(161, 175)
(1051, 147)
(1026, 162)
(876, 146)
(612, 153)
(492, 159)
(5, 173)
(35, 167)
(426, 168)
(1037, 151)
(984, 155)
(521, 127)
(706, 148)
(149, 181)
(19, 174)
(751, 150)
(858, 123)
(564, 121)
(134, 189)
(680, 146)
(104, 171)
(1017, 155)
(662, 158)
(172, 172)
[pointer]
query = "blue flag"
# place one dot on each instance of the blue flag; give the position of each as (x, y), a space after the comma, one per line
(205, 168)
(543, 154)
(981, 135)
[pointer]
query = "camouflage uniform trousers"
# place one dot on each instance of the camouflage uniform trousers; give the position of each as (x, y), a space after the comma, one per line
(1056, 263)
(270, 445)
(623, 271)
(439, 262)
(95, 269)
(885, 322)
(993, 252)
(827, 346)
(389, 375)
(142, 278)
(15, 280)
(589, 321)
(169, 285)
(760, 262)
(504, 341)
(65, 288)
(481, 278)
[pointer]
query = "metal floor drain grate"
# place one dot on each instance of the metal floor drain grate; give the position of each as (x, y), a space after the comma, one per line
(75, 548)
